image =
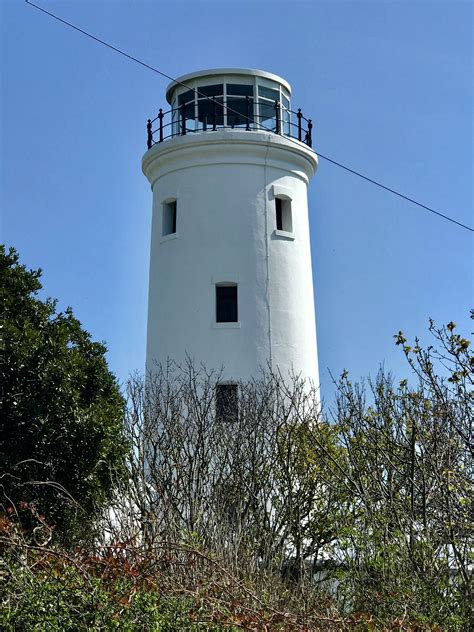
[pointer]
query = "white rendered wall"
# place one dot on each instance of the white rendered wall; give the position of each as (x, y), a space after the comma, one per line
(224, 183)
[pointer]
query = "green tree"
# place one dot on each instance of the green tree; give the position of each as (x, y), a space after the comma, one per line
(61, 411)
(410, 468)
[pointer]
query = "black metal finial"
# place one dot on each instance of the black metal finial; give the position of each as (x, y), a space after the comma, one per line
(310, 140)
(183, 119)
(299, 116)
(160, 116)
(149, 141)
(277, 115)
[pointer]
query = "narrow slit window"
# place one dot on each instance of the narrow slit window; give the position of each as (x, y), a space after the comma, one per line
(279, 216)
(226, 303)
(283, 214)
(169, 217)
(227, 402)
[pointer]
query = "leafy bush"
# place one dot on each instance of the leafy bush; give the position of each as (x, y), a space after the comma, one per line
(61, 411)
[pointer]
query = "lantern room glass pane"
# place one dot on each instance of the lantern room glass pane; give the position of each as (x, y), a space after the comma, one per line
(175, 120)
(186, 97)
(266, 107)
(268, 93)
(189, 117)
(240, 89)
(215, 90)
(206, 112)
(267, 118)
(237, 111)
(285, 115)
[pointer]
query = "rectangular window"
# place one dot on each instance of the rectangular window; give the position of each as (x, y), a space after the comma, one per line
(283, 214)
(227, 402)
(226, 304)
(279, 218)
(169, 217)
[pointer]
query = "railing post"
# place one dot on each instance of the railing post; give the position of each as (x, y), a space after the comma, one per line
(247, 112)
(183, 119)
(160, 116)
(299, 116)
(309, 140)
(149, 141)
(277, 115)
(214, 114)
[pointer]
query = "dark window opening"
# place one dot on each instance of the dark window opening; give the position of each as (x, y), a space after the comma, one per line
(173, 219)
(169, 218)
(227, 402)
(279, 217)
(226, 304)
(284, 220)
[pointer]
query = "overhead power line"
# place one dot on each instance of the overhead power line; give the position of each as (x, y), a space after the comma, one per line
(404, 197)
(170, 78)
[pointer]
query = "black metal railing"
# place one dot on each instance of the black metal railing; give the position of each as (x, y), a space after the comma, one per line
(179, 122)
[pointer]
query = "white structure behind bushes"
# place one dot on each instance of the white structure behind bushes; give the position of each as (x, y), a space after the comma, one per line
(230, 268)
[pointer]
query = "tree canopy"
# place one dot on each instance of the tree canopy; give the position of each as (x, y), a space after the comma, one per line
(61, 409)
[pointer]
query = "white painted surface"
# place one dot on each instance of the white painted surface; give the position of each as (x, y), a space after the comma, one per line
(224, 184)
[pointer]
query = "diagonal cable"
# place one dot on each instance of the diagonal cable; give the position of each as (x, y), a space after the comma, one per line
(170, 78)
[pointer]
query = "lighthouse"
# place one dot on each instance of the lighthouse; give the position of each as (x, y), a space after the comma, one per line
(229, 162)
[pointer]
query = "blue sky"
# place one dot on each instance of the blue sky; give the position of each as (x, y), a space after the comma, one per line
(388, 86)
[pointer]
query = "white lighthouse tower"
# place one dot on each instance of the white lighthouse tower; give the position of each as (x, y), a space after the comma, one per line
(230, 271)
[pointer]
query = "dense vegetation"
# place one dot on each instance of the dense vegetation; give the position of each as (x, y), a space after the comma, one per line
(288, 517)
(61, 411)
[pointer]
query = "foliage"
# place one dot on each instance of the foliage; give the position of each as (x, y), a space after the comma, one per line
(251, 486)
(127, 586)
(60, 407)
(409, 463)
(280, 517)
(375, 507)
(64, 597)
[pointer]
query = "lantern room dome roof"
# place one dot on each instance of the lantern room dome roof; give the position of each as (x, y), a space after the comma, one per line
(221, 72)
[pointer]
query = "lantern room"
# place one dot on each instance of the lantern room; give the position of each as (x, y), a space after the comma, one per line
(229, 98)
